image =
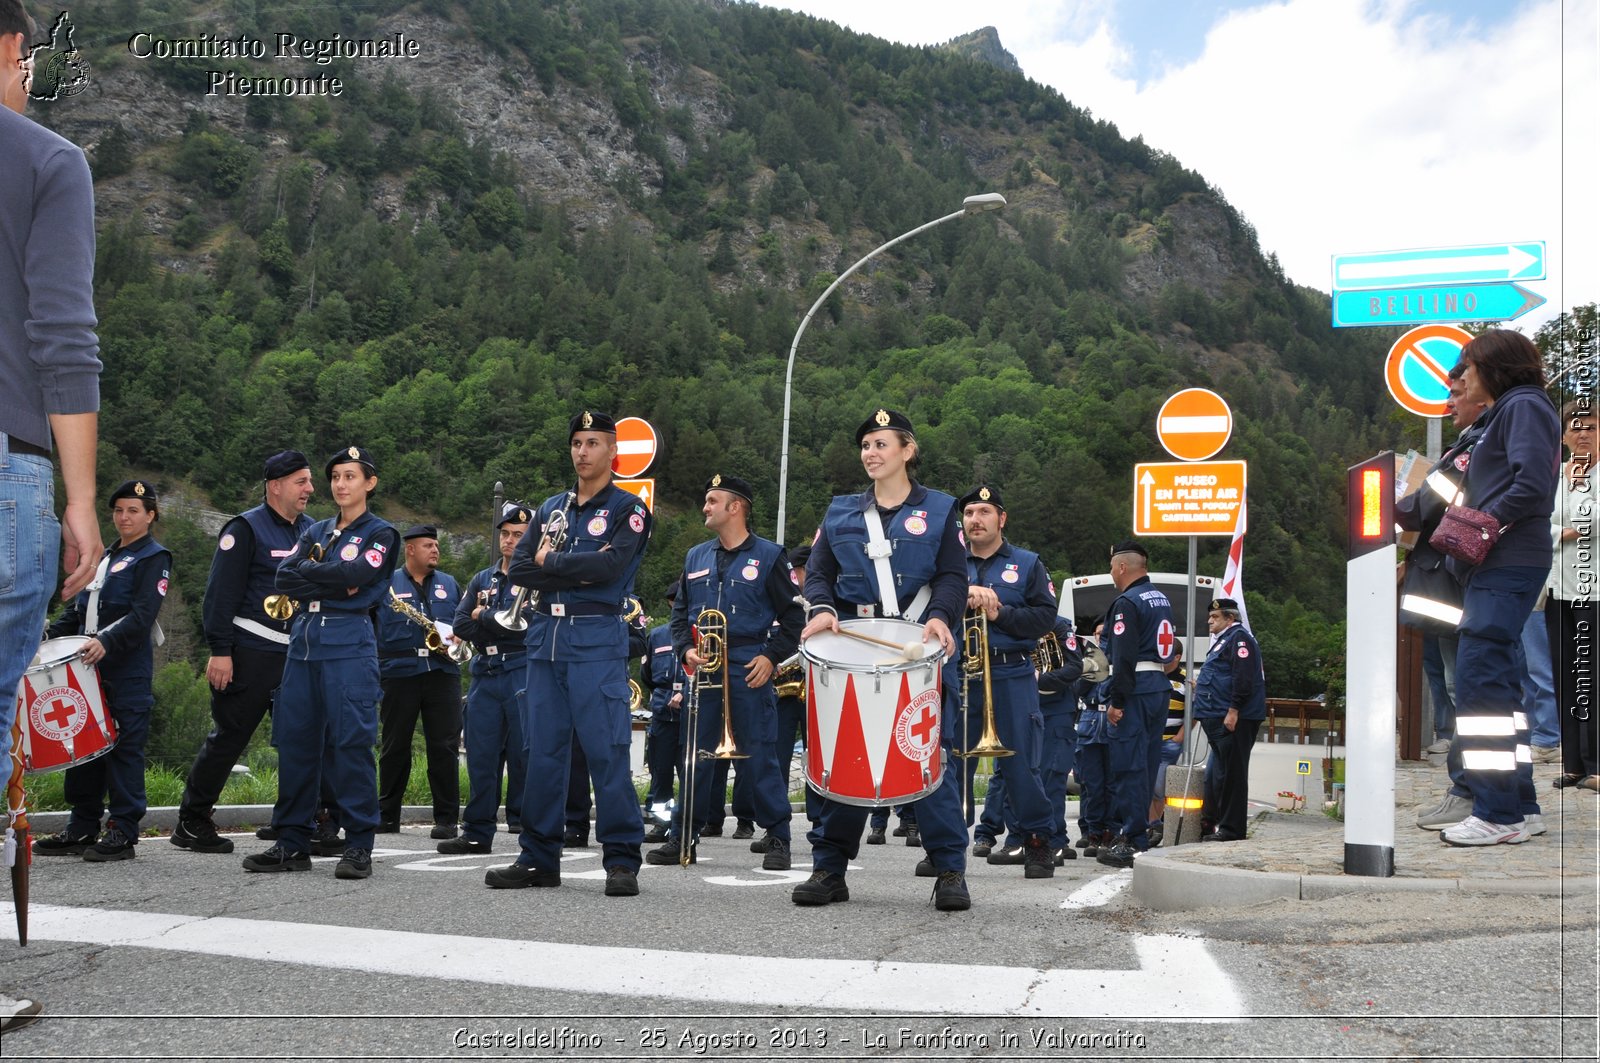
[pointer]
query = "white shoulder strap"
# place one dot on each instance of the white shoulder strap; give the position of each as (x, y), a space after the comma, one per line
(91, 616)
(879, 550)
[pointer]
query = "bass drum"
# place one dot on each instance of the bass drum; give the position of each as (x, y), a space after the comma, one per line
(61, 709)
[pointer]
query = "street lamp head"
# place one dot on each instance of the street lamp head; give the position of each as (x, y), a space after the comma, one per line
(982, 202)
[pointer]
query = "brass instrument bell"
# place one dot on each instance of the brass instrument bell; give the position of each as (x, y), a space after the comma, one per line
(975, 662)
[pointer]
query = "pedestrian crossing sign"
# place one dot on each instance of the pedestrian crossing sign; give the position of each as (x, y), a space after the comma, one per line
(1302, 767)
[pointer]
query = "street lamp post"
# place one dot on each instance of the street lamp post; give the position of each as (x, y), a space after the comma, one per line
(979, 204)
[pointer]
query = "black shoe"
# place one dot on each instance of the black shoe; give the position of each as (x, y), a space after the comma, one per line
(200, 836)
(1220, 835)
(267, 834)
(913, 838)
(1084, 840)
(1065, 853)
(356, 863)
(1154, 834)
(462, 846)
(1095, 842)
(670, 853)
(518, 877)
(950, 892)
(65, 844)
(574, 839)
(925, 868)
(743, 830)
(513, 828)
(621, 882)
(1015, 855)
(325, 840)
(981, 846)
(656, 833)
(761, 843)
(777, 858)
(443, 830)
(114, 845)
(1039, 860)
(278, 858)
(387, 826)
(875, 836)
(1117, 855)
(712, 829)
(823, 887)
(900, 831)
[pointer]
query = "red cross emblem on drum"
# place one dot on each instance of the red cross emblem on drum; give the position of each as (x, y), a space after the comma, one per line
(917, 730)
(1164, 640)
(59, 713)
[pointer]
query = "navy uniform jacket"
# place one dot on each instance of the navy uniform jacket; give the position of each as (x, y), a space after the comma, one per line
(1139, 629)
(926, 536)
(661, 673)
(753, 586)
(337, 594)
(497, 648)
(582, 586)
(1058, 688)
(135, 587)
(1232, 678)
(244, 571)
(1027, 601)
(401, 649)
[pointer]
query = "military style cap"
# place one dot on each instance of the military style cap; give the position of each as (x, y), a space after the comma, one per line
(985, 494)
(143, 490)
(421, 531)
(591, 421)
(349, 454)
(514, 513)
(731, 484)
(884, 418)
(800, 555)
(284, 463)
(1128, 546)
(1225, 604)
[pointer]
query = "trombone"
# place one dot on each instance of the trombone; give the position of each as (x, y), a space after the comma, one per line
(711, 643)
(975, 662)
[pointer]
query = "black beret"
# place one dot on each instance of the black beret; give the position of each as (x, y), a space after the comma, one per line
(1226, 604)
(349, 454)
(731, 484)
(800, 555)
(984, 494)
(143, 490)
(1128, 546)
(421, 531)
(284, 463)
(882, 418)
(514, 513)
(590, 421)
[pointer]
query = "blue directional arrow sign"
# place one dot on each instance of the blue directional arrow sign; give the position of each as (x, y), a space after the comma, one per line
(1440, 265)
(1420, 306)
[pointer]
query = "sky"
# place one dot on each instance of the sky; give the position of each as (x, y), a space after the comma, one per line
(1333, 126)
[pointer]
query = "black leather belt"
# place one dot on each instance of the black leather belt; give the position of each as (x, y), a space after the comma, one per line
(579, 609)
(22, 446)
(996, 657)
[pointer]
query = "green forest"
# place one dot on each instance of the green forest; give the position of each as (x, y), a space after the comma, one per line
(370, 269)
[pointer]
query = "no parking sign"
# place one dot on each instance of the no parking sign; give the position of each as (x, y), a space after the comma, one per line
(1417, 370)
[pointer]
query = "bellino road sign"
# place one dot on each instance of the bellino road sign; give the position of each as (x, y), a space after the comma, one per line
(1474, 264)
(1441, 303)
(1188, 497)
(1417, 369)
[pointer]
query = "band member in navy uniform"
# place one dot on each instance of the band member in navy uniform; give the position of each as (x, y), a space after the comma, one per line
(493, 725)
(1140, 640)
(925, 581)
(248, 645)
(118, 611)
(747, 579)
(1012, 589)
(326, 720)
(578, 664)
(665, 686)
(1230, 701)
(1058, 701)
(419, 683)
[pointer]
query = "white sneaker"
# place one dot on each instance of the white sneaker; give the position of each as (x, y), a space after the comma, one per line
(1546, 754)
(15, 1014)
(1475, 831)
(1533, 823)
(1440, 745)
(1451, 810)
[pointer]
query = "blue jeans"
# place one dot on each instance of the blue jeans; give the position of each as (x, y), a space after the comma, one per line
(1539, 687)
(1433, 667)
(1491, 729)
(30, 550)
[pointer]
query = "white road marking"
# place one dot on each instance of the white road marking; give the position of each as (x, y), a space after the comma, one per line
(775, 878)
(1176, 979)
(1098, 891)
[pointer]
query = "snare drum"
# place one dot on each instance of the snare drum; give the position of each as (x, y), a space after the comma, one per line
(61, 709)
(872, 717)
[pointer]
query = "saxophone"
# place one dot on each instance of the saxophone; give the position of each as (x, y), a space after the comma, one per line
(460, 653)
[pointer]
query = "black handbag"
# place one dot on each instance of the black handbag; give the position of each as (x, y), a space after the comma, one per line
(1430, 597)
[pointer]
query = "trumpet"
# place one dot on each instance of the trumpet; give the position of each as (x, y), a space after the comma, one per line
(975, 662)
(459, 653)
(511, 617)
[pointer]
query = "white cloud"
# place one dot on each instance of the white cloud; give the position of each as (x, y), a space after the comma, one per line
(1340, 125)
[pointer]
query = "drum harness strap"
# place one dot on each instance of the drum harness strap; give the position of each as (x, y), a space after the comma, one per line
(91, 616)
(879, 549)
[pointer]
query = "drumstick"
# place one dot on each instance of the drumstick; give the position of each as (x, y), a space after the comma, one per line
(911, 651)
